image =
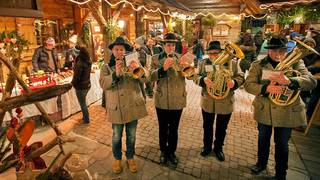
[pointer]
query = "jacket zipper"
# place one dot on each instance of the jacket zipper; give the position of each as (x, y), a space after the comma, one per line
(119, 101)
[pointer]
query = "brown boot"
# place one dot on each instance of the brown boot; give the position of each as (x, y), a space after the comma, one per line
(132, 165)
(116, 166)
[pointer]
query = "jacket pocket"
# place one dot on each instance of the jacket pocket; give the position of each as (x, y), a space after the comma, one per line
(298, 108)
(257, 105)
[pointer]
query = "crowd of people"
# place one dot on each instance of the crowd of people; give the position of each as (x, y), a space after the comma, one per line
(160, 59)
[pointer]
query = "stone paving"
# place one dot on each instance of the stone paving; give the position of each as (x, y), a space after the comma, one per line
(240, 144)
(92, 161)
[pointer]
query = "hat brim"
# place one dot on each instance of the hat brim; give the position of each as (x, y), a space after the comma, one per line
(276, 47)
(126, 46)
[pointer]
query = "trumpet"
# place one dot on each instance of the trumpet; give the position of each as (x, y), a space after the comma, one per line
(187, 72)
(135, 73)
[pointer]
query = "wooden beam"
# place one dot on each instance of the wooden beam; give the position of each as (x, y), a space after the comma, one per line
(20, 12)
(34, 96)
(10, 83)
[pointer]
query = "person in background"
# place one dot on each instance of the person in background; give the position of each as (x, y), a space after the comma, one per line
(81, 80)
(125, 103)
(72, 52)
(249, 50)
(184, 47)
(291, 43)
(151, 49)
(178, 44)
(315, 93)
(198, 52)
(258, 41)
(46, 58)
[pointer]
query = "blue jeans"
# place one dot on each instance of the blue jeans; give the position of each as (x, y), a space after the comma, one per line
(131, 128)
(281, 138)
(81, 96)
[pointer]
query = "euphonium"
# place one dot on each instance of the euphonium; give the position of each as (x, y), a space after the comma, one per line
(187, 72)
(289, 96)
(220, 76)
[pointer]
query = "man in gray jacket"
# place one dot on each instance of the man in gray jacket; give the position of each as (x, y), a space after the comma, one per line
(125, 103)
(270, 115)
(170, 97)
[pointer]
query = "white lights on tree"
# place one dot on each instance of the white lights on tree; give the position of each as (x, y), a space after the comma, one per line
(121, 23)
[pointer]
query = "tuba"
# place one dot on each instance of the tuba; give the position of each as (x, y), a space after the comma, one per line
(220, 76)
(135, 73)
(187, 72)
(289, 96)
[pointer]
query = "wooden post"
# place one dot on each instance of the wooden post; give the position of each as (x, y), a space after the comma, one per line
(6, 93)
(139, 23)
(106, 14)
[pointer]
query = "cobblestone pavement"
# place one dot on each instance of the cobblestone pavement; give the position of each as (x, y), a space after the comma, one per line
(92, 161)
(240, 143)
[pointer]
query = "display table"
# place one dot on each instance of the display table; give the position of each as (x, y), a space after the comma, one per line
(69, 102)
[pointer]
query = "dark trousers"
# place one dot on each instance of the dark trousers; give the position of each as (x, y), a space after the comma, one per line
(149, 88)
(168, 129)
(281, 138)
(81, 96)
(221, 127)
(258, 49)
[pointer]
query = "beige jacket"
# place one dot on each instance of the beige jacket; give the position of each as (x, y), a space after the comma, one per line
(171, 86)
(210, 105)
(268, 113)
(124, 99)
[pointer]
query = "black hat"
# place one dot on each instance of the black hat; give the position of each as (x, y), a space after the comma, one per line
(169, 38)
(214, 45)
(120, 41)
(277, 42)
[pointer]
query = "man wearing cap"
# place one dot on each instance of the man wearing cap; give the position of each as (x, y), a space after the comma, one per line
(72, 52)
(211, 107)
(271, 116)
(125, 103)
(170, 97)
(45, 57)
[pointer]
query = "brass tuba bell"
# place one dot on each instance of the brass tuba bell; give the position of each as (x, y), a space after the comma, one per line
(220, 77)
(289, 96)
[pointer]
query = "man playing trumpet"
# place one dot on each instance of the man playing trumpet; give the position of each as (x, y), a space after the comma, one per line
(170, 97)
(125, 103)
(212, 106)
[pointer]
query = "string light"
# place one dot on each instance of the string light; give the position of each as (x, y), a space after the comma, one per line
(266, 6)
(230, 15)
(139, 8)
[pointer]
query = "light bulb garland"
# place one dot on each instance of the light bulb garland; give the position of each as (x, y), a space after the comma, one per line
(176, 14)
(268, 5)
(139, 8)
(230, 15)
